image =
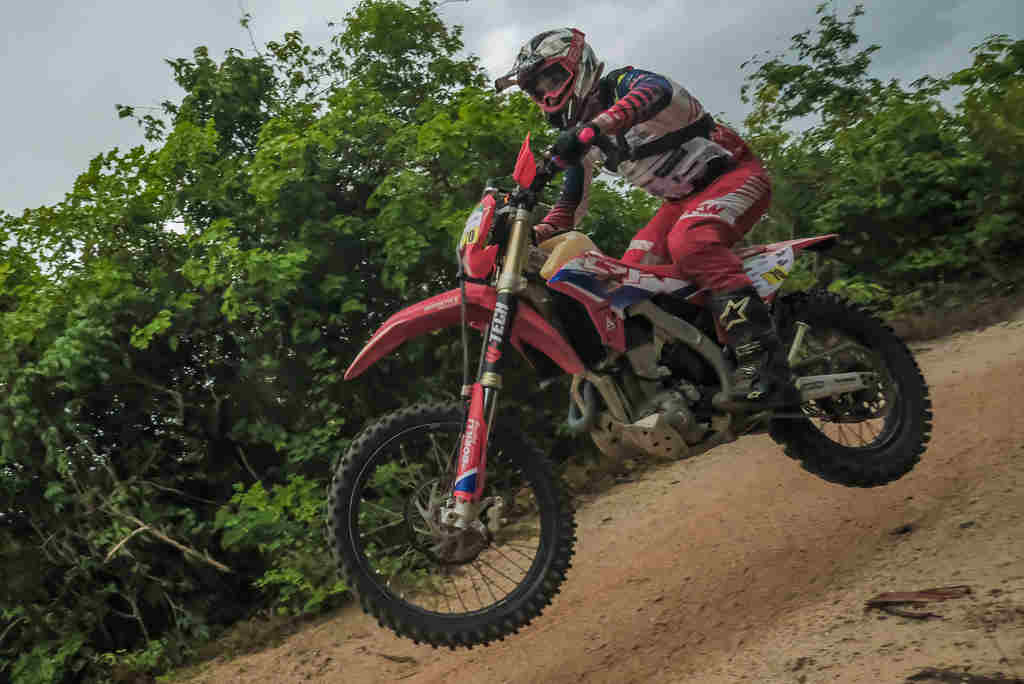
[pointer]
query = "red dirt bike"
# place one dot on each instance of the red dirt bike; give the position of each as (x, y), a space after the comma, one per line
(448, 522)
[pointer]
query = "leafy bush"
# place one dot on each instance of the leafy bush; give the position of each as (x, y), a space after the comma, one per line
(918, 192)
(51, 662)
(285, 524)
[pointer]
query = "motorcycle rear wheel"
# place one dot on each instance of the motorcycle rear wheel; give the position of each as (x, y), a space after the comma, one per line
(430, 582)
(865, 438)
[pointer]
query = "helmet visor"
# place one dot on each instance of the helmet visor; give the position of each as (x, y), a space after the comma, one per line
(547, 86)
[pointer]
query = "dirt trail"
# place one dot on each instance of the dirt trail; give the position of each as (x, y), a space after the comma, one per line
(739, 565)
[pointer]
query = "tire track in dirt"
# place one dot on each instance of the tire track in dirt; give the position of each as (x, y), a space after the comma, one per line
(695, 560)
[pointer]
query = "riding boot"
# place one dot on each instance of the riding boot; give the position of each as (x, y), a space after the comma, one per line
(762, 374)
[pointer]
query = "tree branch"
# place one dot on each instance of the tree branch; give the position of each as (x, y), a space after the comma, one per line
(137, 615)
(180, 493)
(245, 22)
(187, 550)
(46, 540)
(175, 609)
(107, 465)
(248, 466)
(178, 398)
(3, 635)
(110, 554)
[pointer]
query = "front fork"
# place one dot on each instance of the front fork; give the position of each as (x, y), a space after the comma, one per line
(483, 394)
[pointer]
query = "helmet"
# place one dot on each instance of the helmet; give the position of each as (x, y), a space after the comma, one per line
(557, 69)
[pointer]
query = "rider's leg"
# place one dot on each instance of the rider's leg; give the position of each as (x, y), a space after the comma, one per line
(650, 245)
(700, 243)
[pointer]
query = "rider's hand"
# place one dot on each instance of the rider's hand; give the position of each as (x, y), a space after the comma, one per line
(573, 143)
(546, 231)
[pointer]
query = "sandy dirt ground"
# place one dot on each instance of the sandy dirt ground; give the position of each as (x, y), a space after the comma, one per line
(739, 566)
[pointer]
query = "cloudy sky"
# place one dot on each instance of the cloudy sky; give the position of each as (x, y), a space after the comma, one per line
(64, 64)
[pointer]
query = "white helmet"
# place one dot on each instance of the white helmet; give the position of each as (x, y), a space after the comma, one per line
(557, 69)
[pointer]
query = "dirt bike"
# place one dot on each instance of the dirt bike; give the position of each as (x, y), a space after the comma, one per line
(450, 525)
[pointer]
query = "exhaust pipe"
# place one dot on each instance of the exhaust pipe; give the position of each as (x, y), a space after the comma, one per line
(820, 386)
(810, 387)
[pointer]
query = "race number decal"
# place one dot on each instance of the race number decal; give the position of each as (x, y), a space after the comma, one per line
(768, 269)
(472, 230)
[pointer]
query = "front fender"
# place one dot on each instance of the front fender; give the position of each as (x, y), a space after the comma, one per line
(442, 311)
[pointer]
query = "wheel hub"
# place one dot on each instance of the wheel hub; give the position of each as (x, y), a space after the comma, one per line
(430, 516)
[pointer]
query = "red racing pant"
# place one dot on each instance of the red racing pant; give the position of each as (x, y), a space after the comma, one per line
(696, 233)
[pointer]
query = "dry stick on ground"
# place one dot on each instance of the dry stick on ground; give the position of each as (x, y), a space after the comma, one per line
(888, 600)
(397, 659)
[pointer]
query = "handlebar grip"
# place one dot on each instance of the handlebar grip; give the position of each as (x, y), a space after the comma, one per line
(550, 169)
(613, 155)
(547, 171)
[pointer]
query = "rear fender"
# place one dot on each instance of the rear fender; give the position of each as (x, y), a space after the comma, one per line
(443, 311)
(768, 266)
(811, 244)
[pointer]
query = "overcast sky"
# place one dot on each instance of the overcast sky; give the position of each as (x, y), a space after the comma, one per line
(66, 63)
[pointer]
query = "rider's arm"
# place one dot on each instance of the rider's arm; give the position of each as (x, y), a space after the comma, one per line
(572, 204)
(641, 95)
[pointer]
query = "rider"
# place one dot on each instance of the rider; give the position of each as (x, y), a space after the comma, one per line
(714, 188)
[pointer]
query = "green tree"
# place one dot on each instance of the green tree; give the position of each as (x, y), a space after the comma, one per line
(174, 332)
(921, 195)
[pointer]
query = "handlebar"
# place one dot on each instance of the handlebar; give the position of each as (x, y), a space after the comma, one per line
(549, 169)
(610, 149)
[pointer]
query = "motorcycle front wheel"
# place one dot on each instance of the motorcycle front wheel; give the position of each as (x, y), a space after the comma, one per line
(388, 515)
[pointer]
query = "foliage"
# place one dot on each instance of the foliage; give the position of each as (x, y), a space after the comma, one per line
(834, 84)
(49, 662)
(921, 194)
(173, 334)
(286, 525)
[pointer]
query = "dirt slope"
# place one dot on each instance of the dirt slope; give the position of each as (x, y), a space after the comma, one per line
(739, 566)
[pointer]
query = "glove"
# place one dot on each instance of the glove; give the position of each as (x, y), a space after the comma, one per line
(546, 231)
(572, 144)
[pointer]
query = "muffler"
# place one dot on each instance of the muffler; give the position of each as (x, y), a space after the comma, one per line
(810, 387)
(820, 386)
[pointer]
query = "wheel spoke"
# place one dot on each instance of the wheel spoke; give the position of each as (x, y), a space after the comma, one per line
(392, 549)
(447, 601)
(382, 509)
(479, 599)
(458, 594)
(488, 564)
(384, 527)
(510, 561)
(842, 433)
(860, 433)
(438, 453)
(487, 582)
(512, 547)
